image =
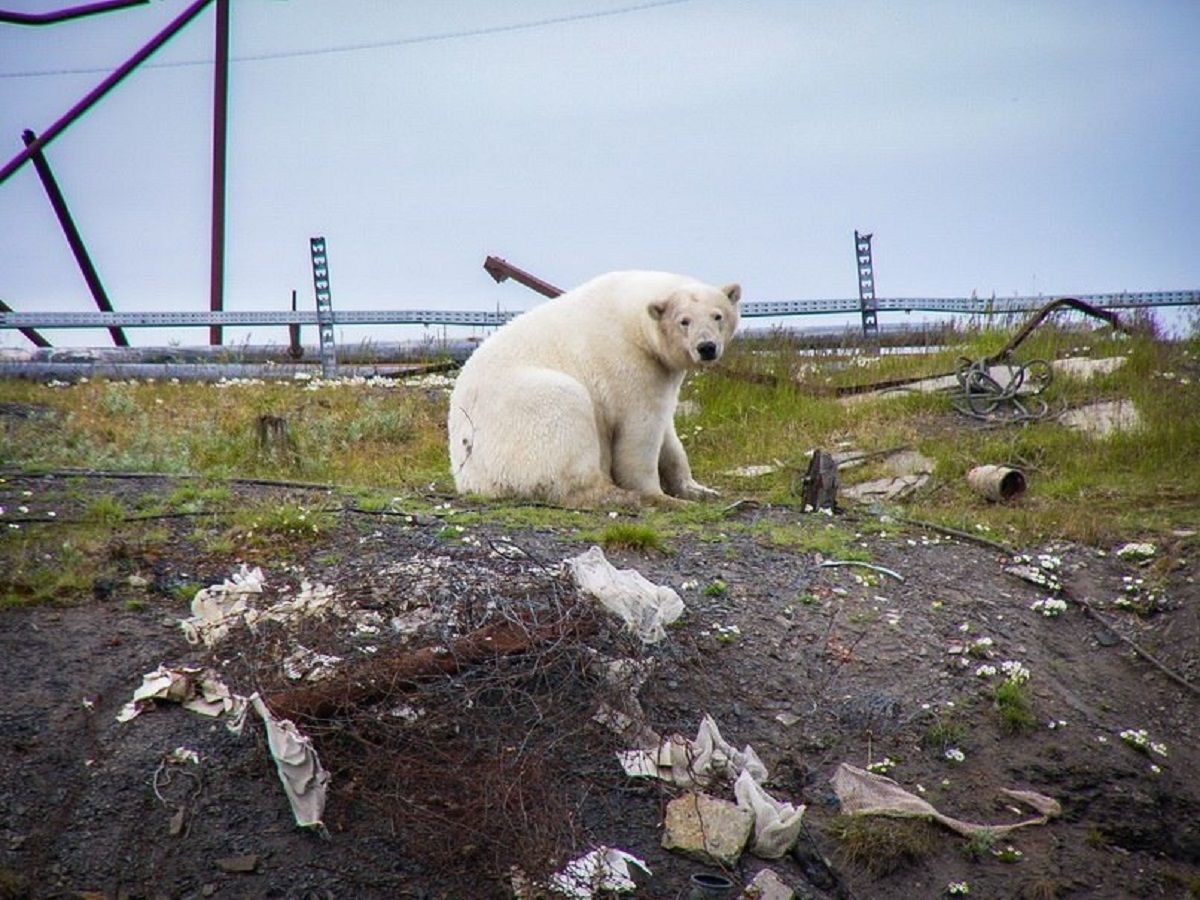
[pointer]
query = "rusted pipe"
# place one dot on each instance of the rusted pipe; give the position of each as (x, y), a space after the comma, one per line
(501, 269)
(1036, 319)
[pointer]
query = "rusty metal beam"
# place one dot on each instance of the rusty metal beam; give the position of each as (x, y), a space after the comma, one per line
(1037, 318)
(59, 203)
(87, 102)
(70, 12)
(501, 269)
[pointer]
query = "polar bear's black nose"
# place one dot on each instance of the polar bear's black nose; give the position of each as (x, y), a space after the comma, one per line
(707, 350)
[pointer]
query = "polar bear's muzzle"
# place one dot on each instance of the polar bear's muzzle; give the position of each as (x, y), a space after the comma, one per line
(708, 351)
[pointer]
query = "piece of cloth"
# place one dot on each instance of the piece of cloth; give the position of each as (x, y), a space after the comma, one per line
(776, 823)
(644, 606)
(865, 793)
(304, 779)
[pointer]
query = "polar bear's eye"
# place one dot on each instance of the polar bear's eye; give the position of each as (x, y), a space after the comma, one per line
(718, 316)
(685, 321)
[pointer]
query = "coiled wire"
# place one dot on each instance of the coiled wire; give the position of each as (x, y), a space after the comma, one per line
(981, 397)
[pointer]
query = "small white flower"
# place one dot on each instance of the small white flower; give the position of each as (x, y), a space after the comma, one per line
(957, 888)
(985, 671)
(955, 755)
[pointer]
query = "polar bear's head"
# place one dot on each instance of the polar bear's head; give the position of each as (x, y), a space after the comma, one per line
(694, 323)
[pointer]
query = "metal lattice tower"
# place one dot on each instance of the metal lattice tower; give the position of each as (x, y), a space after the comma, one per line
(320, 267)
(866, 285)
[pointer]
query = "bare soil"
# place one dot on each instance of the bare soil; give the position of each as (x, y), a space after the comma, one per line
(437, 790)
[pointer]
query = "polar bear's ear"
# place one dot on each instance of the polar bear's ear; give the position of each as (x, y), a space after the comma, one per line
(658, 309)
(733, 292)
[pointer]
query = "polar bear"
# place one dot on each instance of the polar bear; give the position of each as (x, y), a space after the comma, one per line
(573, 402)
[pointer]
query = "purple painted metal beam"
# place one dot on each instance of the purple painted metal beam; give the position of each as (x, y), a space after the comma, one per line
(71, 12)
(65, 120)
(30, 333)
(59, 203)
(216, 299)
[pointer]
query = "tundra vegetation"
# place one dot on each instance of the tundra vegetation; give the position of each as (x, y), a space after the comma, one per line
(378, 446)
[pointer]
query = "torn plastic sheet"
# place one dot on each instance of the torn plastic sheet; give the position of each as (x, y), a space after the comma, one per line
(604, 869)
(304, 779)
(216, 608)
(776, 823)
(309, 665)
(693, 763)
(865, 793)
(644, 606)
(195, 689)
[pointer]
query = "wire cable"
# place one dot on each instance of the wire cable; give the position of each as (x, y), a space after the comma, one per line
(435, 37)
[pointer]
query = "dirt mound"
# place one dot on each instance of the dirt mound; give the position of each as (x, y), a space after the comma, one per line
(440, 783)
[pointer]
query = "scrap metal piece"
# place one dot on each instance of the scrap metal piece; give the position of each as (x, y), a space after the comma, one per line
(820, 482)
(502, 269)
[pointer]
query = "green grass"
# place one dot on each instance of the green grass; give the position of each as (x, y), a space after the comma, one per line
(272, 523)
(769, 403)
(945, 731)
(882, 846)
(632, 536)
(1013, 707)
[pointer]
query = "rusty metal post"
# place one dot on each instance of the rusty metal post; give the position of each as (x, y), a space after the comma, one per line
(73, 237)
(501, 269)
(295, 348)
(30, 333)
(65, 120)
(216, 299)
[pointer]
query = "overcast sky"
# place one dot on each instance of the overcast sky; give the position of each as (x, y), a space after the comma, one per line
(992, 147)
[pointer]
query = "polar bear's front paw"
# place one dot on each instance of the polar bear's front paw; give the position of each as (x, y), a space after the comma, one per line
(694, 490)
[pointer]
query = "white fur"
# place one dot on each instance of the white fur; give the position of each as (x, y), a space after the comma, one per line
(574, 401)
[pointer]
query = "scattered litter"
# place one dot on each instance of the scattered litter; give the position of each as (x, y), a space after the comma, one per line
(645, 607)
(752, 471)
(863, 793)
(884, 489)
(238, 864)
(820, 483)
(908, 462)
(1099, 420)
(831, 563)
(195, 689)
(304, 780)
(996, 483)
(766, 885)
(693, 763)
(1085, 369)
(707, 829)
(776, 823)
(183, 755)
(309, 665)
(214, 608)
(603, 870)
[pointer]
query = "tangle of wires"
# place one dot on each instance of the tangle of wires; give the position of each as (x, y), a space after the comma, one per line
(981, 397)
